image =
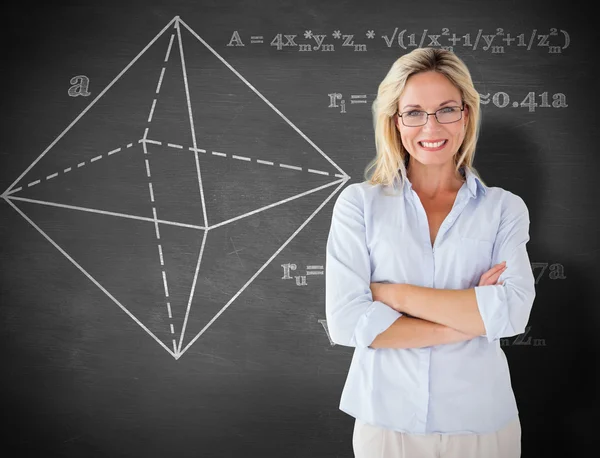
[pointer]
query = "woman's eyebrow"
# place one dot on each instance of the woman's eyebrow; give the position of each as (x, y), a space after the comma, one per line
(419, 106)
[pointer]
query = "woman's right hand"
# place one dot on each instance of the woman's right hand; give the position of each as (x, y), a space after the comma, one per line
(492, 275)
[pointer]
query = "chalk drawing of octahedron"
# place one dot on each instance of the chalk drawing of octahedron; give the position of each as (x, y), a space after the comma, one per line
(175, 188)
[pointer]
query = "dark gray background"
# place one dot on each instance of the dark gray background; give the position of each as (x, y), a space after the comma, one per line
(82, 379)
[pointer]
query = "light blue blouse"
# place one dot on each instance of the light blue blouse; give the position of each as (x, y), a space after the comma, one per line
(457, 388)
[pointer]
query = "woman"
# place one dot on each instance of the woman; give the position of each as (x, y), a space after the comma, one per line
(415, 255)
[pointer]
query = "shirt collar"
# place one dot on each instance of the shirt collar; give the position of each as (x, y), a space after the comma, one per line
(473, 182)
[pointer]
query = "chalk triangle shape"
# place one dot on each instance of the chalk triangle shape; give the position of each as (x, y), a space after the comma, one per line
(142, 178)
(116, 185)
(234, 189)
(172, 165)
(175, 185)
(171, 120)
(169, 143)
(279, 167)
(113, 123)
(236, 254)
(146, 269)
(251, 155)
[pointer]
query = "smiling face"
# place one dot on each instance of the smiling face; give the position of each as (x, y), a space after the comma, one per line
(430, 91)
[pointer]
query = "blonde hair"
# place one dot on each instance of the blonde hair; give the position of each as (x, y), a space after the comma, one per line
(392, 158)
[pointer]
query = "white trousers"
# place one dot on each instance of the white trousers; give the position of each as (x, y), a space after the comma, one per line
(370, 441)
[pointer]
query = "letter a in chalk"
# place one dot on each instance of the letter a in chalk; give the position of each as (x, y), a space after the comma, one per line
(80, 86)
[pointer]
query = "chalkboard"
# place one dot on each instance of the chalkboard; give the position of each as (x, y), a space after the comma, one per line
(168, 173)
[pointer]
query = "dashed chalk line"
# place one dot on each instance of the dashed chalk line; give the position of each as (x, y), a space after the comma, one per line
(240, 158)
(68, 169)
(181, 147)
(151, 190)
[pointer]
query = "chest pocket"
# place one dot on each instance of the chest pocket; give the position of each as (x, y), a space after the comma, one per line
(475, 259)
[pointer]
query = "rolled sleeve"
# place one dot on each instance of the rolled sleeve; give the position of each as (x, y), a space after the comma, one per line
(353, 318)
(505, 309)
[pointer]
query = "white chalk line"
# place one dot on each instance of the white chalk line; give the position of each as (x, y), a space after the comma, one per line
(181, 147)
(68, 169)
(90, 105)
(194, 148)
(162, 73)
(170, 44)
(248, 214)
(105, 212)
(152, 110)
(176, 354)
(168, 222)
(242, 158)
(133, 317)
(275, 204)
(261, 96)
(341, 184)
(151, 191)
(192, 290)
(191, 119)
(199, 176)
(147, 165)
(160, 255)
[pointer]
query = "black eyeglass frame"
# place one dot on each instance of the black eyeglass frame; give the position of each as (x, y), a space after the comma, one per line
(434, 113)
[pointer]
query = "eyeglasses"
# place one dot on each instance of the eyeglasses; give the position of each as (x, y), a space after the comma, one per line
(446, 115)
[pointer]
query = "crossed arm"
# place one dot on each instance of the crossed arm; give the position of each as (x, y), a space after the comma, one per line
(409, 316)
(431, 316)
